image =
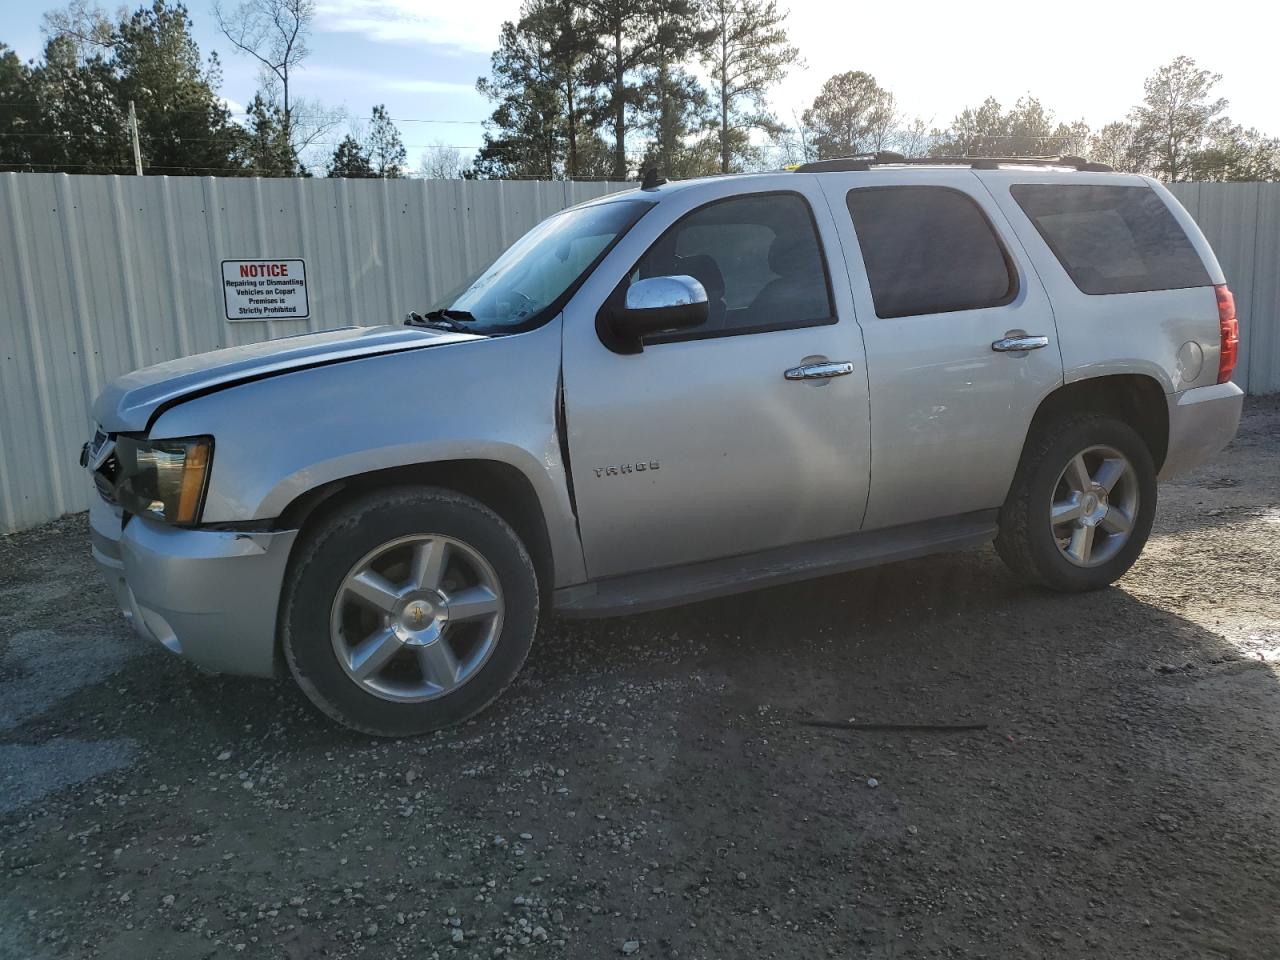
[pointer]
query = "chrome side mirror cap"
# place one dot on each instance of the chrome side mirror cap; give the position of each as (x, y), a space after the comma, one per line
(660, 305)
(658, 293)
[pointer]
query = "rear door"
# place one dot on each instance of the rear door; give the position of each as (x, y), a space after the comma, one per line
(960, 338)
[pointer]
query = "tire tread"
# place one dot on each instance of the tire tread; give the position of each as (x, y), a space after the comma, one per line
(1014, 542)
(351, 516)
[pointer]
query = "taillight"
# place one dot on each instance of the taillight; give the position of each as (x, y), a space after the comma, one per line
(1229, 328)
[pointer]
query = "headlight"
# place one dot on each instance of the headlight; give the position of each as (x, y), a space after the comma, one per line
(164, 479)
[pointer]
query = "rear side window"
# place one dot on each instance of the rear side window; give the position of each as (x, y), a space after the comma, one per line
(1112, 239)
(929, 250)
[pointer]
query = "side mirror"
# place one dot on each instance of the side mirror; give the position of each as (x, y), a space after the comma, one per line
(660, 305)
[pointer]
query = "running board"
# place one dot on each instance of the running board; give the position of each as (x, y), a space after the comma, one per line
(673, 586)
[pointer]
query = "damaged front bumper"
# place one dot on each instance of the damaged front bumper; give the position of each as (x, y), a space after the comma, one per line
(211, 596)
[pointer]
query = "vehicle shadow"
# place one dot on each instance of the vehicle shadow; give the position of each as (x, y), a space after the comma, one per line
(1119, 802)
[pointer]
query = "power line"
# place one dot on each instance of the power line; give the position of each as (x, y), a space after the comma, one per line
(246, 174)
(295, 115)
(313, 143)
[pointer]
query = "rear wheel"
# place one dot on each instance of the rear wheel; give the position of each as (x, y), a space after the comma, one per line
(1081, 506)
(409, 610)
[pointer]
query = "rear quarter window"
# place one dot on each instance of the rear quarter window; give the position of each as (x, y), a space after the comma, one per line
(1112, 239)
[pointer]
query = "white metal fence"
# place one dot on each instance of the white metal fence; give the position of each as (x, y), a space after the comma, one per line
(101, 275)
(1242, 223)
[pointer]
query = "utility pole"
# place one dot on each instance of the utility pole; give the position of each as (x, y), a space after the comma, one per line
(137, 150)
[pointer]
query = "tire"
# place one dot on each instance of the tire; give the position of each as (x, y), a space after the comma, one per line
(394, 594)
(1065, 556)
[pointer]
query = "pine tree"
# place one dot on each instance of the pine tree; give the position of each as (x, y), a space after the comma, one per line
(183, 125)
(269, 153)
(350, 160)
(524, 137)
(541, 78)
(570, 43)
(748, 53)
(383, 146)
(618, 55)
(673, 104)
(19, 118)
(78, 114)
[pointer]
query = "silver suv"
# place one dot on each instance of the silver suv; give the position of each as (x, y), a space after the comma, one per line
(680, 392)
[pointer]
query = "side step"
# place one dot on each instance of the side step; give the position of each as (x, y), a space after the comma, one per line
(673, 586)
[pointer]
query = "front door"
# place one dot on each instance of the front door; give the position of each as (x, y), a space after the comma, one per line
(700, 446)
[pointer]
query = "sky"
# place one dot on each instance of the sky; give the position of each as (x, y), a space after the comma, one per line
(422, 57)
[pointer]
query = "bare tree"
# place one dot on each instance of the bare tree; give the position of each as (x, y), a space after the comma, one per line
(441, 162)
(912, 138)
(86, 25)
(273, 32)
(311, 123)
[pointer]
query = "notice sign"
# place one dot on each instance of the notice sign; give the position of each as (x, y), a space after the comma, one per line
(265, 289)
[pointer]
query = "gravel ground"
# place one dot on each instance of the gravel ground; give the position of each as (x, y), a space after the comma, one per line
(648, 786)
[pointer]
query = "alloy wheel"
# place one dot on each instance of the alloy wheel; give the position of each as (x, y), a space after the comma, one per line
(1094, 506)
(416, 618)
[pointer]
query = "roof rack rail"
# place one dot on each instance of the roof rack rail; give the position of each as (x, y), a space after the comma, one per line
(865, 161)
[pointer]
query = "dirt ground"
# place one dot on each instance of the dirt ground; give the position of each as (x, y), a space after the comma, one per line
(648, 787)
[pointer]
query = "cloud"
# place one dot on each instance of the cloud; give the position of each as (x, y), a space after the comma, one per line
(377, 81)
(427, 86)
(238, 115)
(472, 26)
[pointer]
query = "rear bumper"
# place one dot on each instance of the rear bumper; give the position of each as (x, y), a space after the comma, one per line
(208, 595)
(1201, 422)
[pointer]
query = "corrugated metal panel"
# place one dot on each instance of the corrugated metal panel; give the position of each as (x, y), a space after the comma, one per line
(102, 275)
(1263, 320)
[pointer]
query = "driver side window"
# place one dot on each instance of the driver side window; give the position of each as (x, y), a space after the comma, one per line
(758, 257)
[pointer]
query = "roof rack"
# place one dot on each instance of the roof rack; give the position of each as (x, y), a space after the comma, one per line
(865, 161)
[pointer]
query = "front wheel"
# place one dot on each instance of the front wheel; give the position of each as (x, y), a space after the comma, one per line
(408, 610)
(1081, 505)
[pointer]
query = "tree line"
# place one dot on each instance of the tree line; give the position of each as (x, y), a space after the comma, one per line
(609, 88)
(1178, 131)
(586, 89)
(576, 84)
(69, 110)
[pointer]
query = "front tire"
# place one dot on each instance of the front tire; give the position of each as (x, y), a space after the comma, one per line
(408, 610)
(1081, 505)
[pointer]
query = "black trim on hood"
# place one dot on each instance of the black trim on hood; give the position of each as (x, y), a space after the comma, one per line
(268, 374)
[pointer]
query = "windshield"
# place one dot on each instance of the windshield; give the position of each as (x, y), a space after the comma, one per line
(543, 268)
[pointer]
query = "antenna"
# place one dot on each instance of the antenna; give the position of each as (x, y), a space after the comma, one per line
(652, 180)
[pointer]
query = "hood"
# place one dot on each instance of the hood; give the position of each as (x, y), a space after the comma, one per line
(129, 403)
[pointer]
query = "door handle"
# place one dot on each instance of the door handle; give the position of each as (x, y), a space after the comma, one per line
(1019, 344)
(820, 371)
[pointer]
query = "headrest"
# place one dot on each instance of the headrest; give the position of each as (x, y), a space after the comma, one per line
(786, 257)
(703, 268)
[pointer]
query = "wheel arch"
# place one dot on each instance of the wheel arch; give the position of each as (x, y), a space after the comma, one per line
(501, 487)
(1136, 399)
